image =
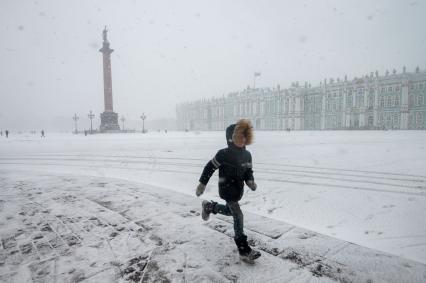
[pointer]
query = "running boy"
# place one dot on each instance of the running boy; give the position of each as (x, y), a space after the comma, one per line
(235, 168)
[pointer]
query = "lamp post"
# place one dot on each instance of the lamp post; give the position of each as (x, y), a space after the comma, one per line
(143, 117)
(122, 119)
(75, 118)
(91, 116)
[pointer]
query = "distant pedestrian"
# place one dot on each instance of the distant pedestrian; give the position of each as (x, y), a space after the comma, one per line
(42, 134)
(85, 132)
(1, 133)
(6, 133)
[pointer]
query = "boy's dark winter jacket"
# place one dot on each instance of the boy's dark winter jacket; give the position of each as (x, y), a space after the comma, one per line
(235, 167)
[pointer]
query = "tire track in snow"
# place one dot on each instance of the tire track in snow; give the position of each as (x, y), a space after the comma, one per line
(203, 161)
(326, 185)
(315, 174)
(271, 171)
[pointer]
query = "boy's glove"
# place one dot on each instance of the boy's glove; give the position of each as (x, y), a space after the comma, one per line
(251, 184)
(200, 189)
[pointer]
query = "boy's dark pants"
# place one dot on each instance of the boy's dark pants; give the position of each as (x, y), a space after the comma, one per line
(232, 208)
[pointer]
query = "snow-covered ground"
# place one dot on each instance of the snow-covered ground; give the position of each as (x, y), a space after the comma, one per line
(364, 187)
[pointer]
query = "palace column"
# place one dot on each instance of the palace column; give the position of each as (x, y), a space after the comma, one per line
(404, 105)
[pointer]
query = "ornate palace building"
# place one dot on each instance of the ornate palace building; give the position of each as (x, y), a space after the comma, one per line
(392, 101)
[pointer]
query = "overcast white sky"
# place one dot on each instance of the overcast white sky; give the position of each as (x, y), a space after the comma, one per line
(167, 52)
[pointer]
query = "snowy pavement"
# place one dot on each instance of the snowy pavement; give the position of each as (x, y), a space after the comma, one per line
(366, 188)
(68, 228)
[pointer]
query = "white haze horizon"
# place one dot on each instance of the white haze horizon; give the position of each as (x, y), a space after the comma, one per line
(168, 52)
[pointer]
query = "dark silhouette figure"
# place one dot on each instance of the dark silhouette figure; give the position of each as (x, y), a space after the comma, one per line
(6, 133)
(42, 134)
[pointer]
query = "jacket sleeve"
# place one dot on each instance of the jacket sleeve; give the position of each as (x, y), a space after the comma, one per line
(248, 175)
(210, 167)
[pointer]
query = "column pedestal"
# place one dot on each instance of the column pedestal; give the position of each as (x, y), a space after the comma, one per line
(109, 122)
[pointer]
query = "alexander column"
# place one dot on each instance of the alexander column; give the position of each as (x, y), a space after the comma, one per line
(109, 119)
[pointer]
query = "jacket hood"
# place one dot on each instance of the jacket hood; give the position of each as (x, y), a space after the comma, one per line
(229, 133)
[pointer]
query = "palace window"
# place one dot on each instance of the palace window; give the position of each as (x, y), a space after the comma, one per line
(349, 100)
(396, 120)
(410, 100)
(381, 102)
(419, 100)
(390, 89)
(397, 89)
(397, 100)
(309, 104)
(411, 119)
(419, 118)
(359, 101)
(318, 104)
(371, 101)
(388, 119)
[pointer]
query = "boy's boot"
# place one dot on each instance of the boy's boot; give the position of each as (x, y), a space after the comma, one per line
(246, 253)
(207, 207)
